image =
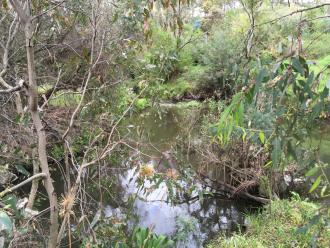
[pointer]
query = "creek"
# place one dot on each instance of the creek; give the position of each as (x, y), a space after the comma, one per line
(158, 130)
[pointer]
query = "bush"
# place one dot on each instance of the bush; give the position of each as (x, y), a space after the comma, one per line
(141, 103)
(156, 60)
(220, 55)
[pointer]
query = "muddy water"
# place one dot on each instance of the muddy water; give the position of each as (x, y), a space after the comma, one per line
(159, 130)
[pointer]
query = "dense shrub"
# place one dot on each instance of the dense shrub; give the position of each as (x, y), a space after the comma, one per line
(221, 54)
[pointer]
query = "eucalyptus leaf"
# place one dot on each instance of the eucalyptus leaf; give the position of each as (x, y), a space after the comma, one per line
(297, 66)
(262, 137)
(20, 168)
(328, 84)
(315, 184)
(5, 222)
(260, 78)
(312, 171)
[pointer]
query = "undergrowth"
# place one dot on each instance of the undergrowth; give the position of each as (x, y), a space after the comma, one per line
(283, 223)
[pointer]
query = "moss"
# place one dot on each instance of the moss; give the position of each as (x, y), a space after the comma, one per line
(278, 226)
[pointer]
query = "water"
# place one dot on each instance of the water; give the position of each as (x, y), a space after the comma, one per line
(158, 131)
(206, 218)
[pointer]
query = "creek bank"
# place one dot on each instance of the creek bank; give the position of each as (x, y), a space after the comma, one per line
(282, 223)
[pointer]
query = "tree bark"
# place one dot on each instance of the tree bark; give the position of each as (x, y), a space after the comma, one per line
(42, 142)
(35, 183)
(27, 22)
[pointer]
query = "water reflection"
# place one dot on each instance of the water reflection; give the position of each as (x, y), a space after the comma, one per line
(159, 130)
(153, 211)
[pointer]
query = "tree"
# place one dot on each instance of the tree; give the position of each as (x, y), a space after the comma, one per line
(49, 25)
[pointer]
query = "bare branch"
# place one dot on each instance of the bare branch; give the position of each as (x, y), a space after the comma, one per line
(30, 179)
(13, 89)
(93, 64)
(19, 10)
(4, 83)
(48, 10)
(295, 12)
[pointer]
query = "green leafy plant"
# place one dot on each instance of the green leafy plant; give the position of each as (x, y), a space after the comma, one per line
(319, 174)
(144, 238)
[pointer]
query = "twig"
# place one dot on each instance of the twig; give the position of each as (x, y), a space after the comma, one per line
(48, 10)
(293, 13)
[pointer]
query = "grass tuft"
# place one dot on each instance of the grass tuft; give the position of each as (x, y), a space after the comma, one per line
(283, 223)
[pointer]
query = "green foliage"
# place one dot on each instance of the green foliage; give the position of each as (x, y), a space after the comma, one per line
(10, 215)
(279, 226)
(188, 105)
(295, 107)
(230, 118)
(5, 222)
(110, 101)
(186, 227)
(321, 68)
(110, 233)
(221, 55)
(65, 99)
(143, 237)
(57, 151)
(11, 203)
(158, 59)
(141, 103)
(169, 90)
(21, 169)
(319, 173)
(140, 237)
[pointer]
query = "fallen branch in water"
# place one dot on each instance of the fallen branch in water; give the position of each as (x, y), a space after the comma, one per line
(30, 179)
(233, 191)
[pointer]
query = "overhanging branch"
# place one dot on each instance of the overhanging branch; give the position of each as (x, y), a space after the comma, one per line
(293, 13)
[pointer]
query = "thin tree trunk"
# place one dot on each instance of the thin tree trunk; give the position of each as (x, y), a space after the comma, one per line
(27, 20)
(35, 183)
(67, 167)
(33, 108)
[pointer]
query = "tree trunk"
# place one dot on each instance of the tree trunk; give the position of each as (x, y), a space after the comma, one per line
(35, 183)
(33, 108)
